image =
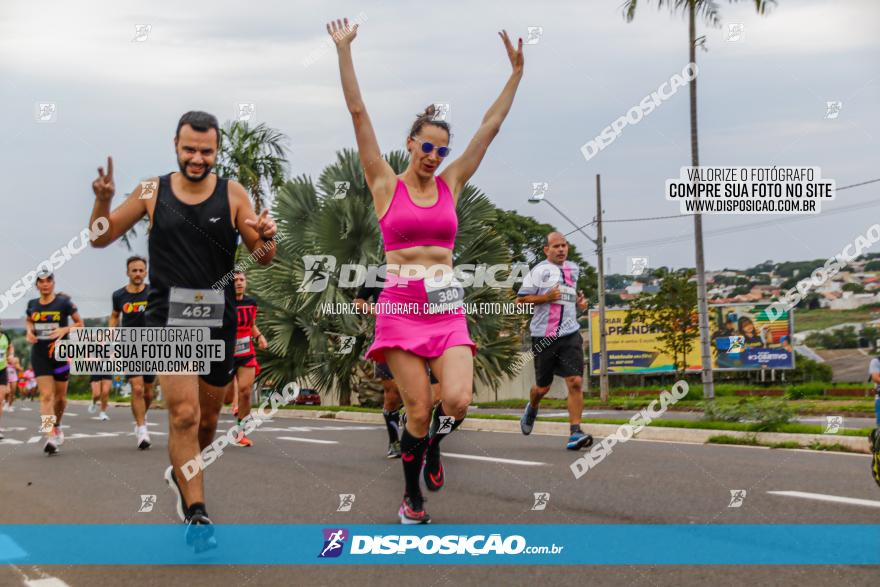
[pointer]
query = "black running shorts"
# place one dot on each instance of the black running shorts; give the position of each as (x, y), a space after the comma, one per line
(44, 365)
(221, 371)
(563, 356)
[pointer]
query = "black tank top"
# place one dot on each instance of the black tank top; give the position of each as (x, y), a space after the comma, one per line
(191, 246)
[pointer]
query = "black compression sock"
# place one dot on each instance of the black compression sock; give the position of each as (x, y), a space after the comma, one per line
(196, 507)
(392, 423)
(412, 451)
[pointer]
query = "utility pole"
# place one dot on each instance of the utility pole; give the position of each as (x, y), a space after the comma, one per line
(702, 302)
(600, 252)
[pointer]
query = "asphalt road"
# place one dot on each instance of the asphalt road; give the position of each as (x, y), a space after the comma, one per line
(298, 467)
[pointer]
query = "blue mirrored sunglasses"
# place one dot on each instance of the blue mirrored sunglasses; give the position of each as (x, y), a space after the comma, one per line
(428, 147)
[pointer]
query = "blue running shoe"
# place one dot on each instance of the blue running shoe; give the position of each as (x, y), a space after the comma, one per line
(527, 422)
(579, 440)
(200, 532)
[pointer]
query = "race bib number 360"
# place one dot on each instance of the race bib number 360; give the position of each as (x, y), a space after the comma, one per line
(195, 307)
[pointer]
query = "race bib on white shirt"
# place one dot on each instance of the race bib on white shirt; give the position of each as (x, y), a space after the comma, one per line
(42, 330)
(242, 346)
(567, 295)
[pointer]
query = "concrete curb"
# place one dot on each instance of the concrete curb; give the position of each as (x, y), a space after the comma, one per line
(687, 435)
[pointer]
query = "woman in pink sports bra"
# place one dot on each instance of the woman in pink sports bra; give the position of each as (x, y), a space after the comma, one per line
(419, 316)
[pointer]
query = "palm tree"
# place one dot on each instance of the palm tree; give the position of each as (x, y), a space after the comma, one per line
(253, 156)
(708, 11)
(304, 341)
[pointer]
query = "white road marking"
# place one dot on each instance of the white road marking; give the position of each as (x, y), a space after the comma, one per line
(47, 582)
(34, 439)
(317, 428)
(44, 580)
(832, 498)
(315, 440)
(493, 459)
(10, 441)
(80, 435)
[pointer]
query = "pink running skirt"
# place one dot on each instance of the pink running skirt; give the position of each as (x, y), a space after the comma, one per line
(402, 322)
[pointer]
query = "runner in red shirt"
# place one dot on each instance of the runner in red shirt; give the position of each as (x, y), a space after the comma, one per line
(246, 366)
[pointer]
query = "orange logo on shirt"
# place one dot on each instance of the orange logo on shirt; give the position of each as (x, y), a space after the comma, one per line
(48, 316)
(134, 307)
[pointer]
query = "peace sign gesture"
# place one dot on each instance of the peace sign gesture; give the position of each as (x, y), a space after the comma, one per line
(264, 225)
(103, 186)
(515, 55)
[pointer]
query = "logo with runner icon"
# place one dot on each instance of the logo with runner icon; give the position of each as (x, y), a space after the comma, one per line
(541, 500)
(147, 503)
(47, 423)
(737, 497)
(334, 541)
(445, 425)
(346, 500)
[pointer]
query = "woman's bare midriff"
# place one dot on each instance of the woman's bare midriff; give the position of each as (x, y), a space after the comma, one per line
(423, 257)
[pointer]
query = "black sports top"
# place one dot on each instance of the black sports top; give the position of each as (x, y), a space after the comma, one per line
(191, 246)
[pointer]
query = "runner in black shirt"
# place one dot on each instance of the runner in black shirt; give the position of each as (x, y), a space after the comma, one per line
(48, 320)
(195, 220)
(130, 304)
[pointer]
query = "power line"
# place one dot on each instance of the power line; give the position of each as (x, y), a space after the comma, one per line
(744, 227)
(732, 229)
(671, 216)
(648, 218)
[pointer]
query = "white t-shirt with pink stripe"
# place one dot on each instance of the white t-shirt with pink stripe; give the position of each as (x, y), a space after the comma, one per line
(557, 318)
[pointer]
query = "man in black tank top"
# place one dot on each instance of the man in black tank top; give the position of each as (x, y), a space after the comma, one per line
(195, 218)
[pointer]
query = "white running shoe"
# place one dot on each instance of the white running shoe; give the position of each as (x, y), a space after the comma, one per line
(172, 484)
(51, 446)
(10, 409)
(59, 436)
(93, 407)
(143, 439)
(103, 417)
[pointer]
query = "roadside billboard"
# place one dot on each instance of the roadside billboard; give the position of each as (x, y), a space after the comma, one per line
(743, 338)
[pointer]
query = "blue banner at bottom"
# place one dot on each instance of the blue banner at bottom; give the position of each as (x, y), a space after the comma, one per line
(612, 544)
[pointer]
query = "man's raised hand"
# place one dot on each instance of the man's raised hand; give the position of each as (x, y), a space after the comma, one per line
(103, 186)
(264, 225)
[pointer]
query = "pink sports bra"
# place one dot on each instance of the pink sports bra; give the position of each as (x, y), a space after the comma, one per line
(407, 225)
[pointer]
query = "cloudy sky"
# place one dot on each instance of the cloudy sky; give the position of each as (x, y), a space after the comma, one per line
(762, 102)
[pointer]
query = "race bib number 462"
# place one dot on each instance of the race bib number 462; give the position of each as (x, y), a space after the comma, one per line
(195, 307)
